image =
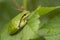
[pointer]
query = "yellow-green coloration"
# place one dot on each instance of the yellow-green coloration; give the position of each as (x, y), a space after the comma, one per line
(24, 19)
(18, 22)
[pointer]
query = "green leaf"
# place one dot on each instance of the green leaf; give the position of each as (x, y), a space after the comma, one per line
(44, 10)
(53, 27)
(26, 33)
(49, 23)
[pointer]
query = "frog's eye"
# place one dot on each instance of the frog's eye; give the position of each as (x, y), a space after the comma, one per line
(24, 14)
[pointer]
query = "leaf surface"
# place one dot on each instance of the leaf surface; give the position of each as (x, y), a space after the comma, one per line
(26, 33)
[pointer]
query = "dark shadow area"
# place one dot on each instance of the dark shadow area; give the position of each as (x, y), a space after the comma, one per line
(33, 4)
(49, 3)
(39, 38)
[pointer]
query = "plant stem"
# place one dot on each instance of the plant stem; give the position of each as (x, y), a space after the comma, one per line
(19, 8)
(16, 4)
(25, 4)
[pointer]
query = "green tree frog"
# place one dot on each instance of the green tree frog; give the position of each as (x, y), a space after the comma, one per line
(18, 22)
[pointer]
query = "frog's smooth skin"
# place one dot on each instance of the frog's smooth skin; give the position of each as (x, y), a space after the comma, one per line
(16, 24)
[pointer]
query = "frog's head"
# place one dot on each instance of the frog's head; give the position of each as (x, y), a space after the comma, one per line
(24, 19)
